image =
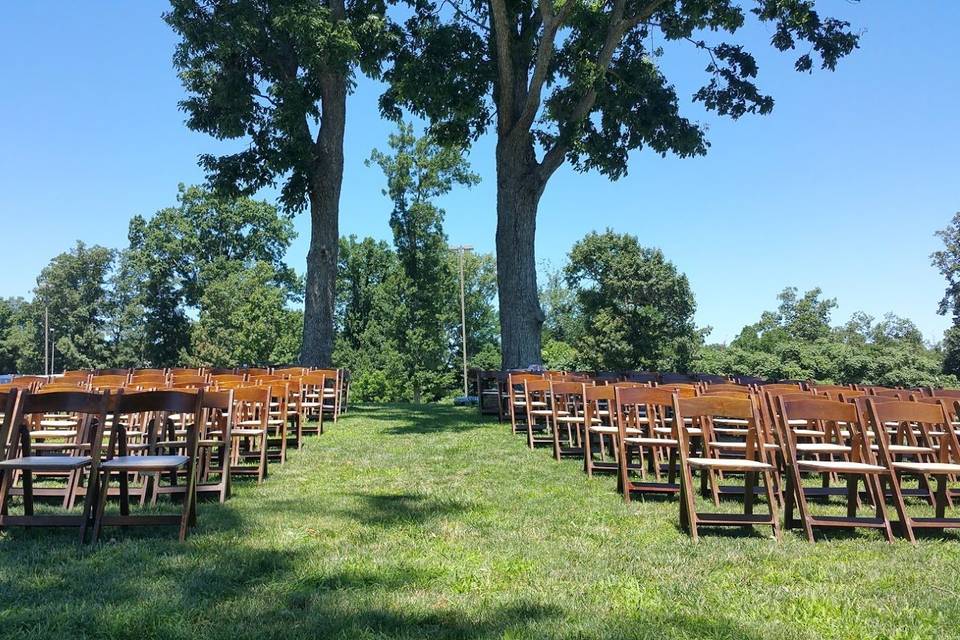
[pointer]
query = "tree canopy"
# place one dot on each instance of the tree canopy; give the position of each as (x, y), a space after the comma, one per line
(579, 82)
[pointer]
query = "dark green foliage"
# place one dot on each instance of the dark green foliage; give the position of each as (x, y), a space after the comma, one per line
(636, 307)
(369, 305)
(203, 241)
(244, 320)
(257, 70)
(588, 73)
(73, 286)
(798, 342)
(416, 296)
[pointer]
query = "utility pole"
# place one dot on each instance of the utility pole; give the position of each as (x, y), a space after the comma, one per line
(463, 315)
(53, 351)
(46, 341)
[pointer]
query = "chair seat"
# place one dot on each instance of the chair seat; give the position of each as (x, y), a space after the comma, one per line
(144, 463)
(53, 433)
(826, 466)
(728, 464)
(742, 446)
(46, 463)
(927, 467)
(571, 419)
(652, 442)
(809, 433)
(247, 432)
(825, 447)
(540, 412)
(904, 449)
(58, 422)
(602, 429)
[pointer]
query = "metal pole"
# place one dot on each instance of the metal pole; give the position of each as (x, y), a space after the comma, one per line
(463, 323)
(46, 341)
(53, 352)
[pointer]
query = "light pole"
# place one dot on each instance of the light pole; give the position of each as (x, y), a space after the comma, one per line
(46, 341)
(463, 315)
(53, 351)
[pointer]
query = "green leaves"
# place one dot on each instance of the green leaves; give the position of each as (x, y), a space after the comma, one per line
(798, 342)
(634, 309)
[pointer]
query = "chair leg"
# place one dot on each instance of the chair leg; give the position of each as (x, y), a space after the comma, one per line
(104, 483)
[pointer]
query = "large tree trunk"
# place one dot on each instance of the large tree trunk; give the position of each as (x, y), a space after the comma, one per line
(518, 195)
(321, 286)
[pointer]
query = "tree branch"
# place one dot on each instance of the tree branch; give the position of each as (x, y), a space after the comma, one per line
(545, 50)
(619, 25)
(466, 16)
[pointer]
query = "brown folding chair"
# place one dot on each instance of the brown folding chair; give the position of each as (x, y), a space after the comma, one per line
(251, 428)
(311, 403)
(642, 415)
(516, 408)
(701, 412)
(600, 418)
(153, 409)
(90, 410)
(931, 419)
(853, 461)
(538, 412)
(567, 402)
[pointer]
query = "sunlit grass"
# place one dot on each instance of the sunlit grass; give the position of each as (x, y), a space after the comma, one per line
(408, 522)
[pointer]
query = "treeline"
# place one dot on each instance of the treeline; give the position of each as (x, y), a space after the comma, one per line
(617, 305)
(204, 283)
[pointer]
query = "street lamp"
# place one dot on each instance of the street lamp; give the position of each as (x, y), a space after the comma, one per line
(462, 249)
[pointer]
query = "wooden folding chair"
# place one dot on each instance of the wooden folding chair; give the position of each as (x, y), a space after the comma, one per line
(516, 407)
(215, 439)
(251, 428)
(600, 418)
(933, 421)
(701, 412)
(853, 461)
(538, 410)
(312, 386)
(153, 409)
(642, 416)
(569, 418)
(90, 410)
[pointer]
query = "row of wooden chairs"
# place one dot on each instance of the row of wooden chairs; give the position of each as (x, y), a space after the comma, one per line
(150, 440)
(776, 438)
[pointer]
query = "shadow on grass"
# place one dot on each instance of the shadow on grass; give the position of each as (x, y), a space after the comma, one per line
(393, 509)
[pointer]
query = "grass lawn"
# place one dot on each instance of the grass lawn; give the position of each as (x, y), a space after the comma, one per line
(427, 522)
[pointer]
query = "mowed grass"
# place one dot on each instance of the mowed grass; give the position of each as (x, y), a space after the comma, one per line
(409, 522)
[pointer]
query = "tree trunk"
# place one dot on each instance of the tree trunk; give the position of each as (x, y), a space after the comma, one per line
(518, 195)
(321, 286)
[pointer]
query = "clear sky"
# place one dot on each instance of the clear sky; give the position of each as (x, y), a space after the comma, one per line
(841, 187)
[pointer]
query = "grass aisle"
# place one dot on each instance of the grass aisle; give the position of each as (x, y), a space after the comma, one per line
(428, 523)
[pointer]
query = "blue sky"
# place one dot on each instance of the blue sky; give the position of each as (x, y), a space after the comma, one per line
(841, 187)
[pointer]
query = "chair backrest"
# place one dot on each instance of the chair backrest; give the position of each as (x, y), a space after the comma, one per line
(112, 372)
(701, 412)
(930, 418)
(643, 408)
(641, 376)
(108, 381)
(148, 378)
(781, 387)
(152, 410)
(670, 378)
(946, 393)
(819, 413)
(87, 411)
(720, 388)
(183, 371)
(220, 378)
(218, 412)
(291, 372)
(899, 394)
(188, 379)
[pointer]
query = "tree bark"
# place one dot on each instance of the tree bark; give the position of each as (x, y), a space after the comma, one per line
(327, 179)
(519, 188)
